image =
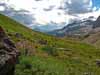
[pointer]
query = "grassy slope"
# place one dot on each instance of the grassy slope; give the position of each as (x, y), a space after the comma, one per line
(56, 57)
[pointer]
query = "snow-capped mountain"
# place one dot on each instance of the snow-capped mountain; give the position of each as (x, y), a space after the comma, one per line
(49, 27)
(81, 28)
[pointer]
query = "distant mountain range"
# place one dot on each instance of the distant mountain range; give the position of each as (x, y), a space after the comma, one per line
(49, 27)
(78, 29)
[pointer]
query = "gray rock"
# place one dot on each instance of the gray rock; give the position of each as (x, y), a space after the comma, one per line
(8, 54)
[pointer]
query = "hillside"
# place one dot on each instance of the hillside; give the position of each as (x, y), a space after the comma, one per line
(93, 39)
(43, 54)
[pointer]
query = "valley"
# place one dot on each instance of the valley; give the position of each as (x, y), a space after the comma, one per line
(43, 54)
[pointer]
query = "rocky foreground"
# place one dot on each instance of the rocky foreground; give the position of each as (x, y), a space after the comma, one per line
(8, 54)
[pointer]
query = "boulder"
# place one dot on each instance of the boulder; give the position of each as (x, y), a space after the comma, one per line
(8, 54)
(98, 62)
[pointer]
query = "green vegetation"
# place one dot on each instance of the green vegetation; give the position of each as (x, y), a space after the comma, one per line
(43, 54)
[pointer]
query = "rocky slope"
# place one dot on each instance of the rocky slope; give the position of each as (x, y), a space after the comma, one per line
(94, 38)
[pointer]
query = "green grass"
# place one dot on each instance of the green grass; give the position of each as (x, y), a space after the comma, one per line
(56, 57)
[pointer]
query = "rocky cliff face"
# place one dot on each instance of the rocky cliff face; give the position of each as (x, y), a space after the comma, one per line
(97, 23)
(8, 54)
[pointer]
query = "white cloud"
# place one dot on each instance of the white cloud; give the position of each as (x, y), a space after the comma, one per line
(94, 8)
(78, 6)
(3, 1)
(71, 9)
(2, 8)
(95, 14)
(21, 4)
(37, 8)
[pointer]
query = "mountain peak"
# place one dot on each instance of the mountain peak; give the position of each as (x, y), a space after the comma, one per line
(97, 23)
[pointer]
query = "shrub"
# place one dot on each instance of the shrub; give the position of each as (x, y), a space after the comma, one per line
(50, 50)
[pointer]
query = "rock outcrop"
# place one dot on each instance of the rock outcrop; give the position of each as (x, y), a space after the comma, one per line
(97, 23)
(8, 54)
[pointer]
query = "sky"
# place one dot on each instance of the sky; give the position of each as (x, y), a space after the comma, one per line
(96, 3)
(57, 11)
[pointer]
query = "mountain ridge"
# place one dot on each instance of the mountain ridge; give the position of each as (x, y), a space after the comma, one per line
(81, 29)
